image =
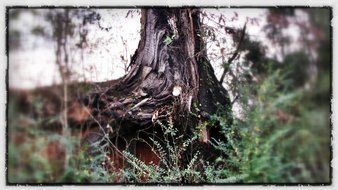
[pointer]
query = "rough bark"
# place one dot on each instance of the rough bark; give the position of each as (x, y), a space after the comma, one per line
(169, 79)
(170, 57)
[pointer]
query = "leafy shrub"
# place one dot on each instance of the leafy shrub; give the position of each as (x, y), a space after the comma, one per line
(283, 137)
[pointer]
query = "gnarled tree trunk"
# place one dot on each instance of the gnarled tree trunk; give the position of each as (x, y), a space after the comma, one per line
(169, 77)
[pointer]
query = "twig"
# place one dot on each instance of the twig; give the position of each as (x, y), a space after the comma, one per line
(234, 55)
(235, 99)
(220, 25)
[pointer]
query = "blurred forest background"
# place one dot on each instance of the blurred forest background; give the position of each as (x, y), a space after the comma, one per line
(275, 63)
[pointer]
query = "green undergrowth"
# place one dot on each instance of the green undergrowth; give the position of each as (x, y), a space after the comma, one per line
(283, 136)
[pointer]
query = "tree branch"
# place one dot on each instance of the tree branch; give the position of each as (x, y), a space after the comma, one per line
(235, 99)
(226, 67)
